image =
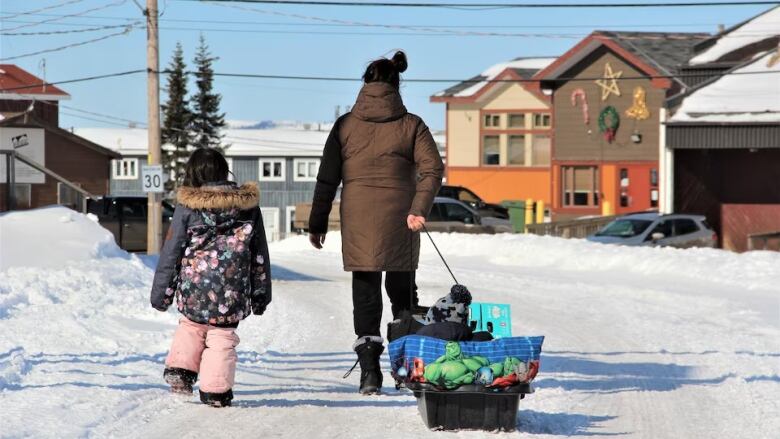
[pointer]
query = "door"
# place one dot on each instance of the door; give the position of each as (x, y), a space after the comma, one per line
(132, 220)
(270, 222)
(686, 234)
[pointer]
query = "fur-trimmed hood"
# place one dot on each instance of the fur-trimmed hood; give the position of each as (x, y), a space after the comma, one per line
(222, 196)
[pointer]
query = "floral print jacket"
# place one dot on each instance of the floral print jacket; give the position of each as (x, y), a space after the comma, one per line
(215, 257)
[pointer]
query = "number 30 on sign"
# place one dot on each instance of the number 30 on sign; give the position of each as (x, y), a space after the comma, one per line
(151, 178)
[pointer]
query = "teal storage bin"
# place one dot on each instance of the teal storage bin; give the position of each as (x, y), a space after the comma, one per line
(495, 318)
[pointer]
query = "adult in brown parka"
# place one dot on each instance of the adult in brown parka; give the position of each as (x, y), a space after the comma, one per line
(391, 171)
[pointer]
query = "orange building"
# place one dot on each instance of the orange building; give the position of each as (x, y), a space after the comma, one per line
(499, 133)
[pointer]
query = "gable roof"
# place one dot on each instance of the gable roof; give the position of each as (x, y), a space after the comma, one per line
(652, 53)
(29, 120)
(521, 68)
(19, 84)
(761, 30)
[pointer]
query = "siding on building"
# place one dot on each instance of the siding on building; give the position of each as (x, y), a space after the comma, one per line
(273, 194)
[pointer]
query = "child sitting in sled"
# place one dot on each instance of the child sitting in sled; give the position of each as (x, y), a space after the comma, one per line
(215, 263)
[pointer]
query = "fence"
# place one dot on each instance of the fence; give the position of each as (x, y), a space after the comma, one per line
(579, 228)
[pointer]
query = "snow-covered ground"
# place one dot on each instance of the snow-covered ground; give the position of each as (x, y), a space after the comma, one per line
(641, 342)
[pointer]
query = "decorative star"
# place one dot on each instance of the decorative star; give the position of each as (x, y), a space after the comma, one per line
(609, 83)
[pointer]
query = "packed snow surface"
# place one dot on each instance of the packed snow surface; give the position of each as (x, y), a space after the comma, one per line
(752, 94)
(640, 342)
(757, 29)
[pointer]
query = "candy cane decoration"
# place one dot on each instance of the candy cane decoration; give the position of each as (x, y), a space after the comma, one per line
(580, 93)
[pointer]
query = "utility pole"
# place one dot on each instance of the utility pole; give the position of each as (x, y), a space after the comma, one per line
(154, 209)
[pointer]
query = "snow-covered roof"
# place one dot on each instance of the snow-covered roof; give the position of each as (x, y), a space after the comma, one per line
(298, 141)
(759, 28)
(525, 67)
(740, 97)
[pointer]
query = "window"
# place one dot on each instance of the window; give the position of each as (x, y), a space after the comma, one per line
(492, 120)
(542, 120)
(467, 196)
(22, 195)
(625, 228)
(517, 120)
(491, 150)
(133, 210)
(516, 150)
(654, 177)
(540, 147)
(684, 227)
(663, 227)
(125, 169)
(580, 186)
(306, 169)
(456, 212)
(435, 214)
(271, 170)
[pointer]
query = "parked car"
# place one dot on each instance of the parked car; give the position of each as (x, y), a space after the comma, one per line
(675, 230)
(125, 218)
(449, 215)
(465, 195)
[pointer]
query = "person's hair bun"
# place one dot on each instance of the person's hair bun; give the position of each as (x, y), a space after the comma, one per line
(399, 61)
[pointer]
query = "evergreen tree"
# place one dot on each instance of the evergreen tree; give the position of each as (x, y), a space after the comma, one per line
(207, 121)
(177, 120)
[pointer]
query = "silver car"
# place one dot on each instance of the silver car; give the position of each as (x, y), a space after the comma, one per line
(675, 230)
(450, 215)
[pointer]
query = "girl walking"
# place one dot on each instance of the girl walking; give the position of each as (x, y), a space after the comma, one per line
(391, 171)
(215, 263)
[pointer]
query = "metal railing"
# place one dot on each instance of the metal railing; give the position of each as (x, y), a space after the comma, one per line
(12, 156)
(764, 241)
(579, 228)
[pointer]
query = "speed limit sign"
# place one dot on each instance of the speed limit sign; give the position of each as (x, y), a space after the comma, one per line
(151, 178)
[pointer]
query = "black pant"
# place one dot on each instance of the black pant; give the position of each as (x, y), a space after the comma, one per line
(367, 297)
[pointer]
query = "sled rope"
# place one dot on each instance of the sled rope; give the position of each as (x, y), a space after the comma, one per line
(440, 255)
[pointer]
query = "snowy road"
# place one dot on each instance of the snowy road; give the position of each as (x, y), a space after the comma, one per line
(651, 343)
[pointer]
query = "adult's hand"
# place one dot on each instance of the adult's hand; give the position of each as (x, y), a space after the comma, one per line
(317, 240)
(415, 222)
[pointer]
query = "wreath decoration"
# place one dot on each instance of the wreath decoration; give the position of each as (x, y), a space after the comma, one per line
(609, 129)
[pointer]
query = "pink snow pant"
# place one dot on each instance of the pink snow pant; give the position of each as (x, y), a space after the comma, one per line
(207, 350)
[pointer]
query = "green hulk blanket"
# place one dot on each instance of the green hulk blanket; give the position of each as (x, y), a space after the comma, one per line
(453, 369)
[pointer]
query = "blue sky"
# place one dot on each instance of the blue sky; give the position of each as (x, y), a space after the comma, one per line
(250, 41)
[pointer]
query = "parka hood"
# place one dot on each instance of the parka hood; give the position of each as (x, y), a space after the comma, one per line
(225, 195)
(379, 102)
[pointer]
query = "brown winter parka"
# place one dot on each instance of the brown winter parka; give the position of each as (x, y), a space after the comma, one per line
(390, 168)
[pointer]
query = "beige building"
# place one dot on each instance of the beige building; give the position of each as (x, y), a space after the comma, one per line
(498, 131)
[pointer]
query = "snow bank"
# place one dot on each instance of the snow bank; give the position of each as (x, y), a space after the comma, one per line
(751, 270)
(52, 237)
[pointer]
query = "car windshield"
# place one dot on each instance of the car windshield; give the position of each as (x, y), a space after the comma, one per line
(625, 228)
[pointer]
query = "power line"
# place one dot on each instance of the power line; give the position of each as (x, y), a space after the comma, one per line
(471, 26)
(356, 79)
(76, 14)
(35, 11)
(71, 81)
(127, 30)
(495, 5)
(71, 31)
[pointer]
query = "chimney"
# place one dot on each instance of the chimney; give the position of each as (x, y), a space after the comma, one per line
(721, 28)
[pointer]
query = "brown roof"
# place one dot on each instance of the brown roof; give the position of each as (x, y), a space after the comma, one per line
(17, 81)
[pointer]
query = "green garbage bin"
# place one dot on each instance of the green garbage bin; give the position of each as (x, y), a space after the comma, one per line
(516, 214)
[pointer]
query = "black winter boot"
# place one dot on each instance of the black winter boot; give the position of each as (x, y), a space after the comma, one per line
(369, 350)
(181, 380)
(217, 399)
